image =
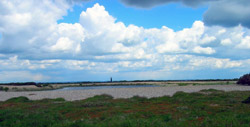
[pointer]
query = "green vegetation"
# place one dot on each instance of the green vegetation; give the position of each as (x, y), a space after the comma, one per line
(184, 84)
(18, 99)
(205, 108)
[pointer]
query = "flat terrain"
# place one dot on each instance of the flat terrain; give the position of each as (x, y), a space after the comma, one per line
(148, 92)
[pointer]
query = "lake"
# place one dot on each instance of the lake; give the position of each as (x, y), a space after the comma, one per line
(103, 87)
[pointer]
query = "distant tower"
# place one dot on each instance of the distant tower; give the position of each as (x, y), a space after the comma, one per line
(111, 79)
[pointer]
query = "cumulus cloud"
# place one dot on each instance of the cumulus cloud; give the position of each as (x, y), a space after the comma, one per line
(111, 40)
(207, 50)
(226, 42)
(213, 63)
(26, 22)
(43, 48)
(245, 43)
(108, 36)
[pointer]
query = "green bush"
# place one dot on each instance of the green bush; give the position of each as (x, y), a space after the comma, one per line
(18, 99)
(244, 80)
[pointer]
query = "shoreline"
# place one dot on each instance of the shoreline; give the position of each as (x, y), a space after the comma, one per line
(149, 92)
(45, 87)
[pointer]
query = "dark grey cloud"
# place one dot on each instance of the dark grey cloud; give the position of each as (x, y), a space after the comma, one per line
(145, 3)
(152, 3)
(227, 13)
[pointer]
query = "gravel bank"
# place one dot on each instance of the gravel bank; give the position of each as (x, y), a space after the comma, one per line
(119, 92)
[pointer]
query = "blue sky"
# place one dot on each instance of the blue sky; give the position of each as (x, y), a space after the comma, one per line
(173, 15)
(93, 40)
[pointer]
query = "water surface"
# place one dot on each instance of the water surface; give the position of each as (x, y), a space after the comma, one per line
(103, 87)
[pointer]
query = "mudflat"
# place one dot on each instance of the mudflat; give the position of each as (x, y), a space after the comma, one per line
(148, 92)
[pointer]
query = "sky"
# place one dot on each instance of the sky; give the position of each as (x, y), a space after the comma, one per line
(93, 40)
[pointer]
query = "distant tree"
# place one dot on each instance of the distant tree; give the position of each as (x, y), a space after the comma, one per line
(244, 80)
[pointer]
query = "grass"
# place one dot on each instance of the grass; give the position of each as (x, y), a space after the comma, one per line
(205, 108)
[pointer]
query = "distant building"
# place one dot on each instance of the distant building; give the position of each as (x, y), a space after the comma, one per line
(111, 79)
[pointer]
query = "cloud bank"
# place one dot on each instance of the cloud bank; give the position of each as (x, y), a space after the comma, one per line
(34, 45)
(153, 3)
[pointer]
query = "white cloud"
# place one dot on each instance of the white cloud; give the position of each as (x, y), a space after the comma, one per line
(245, 43)
(62, 44)
(221, 31)
(207, 39)
(169, 48)
(96, 18)
(199, 62)
(183, 41)
(21, 76)
(192, 34)
(201, 50)
(226, 41)
(79, 64)
(132, 35)
(110, 39)
(98, 43)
